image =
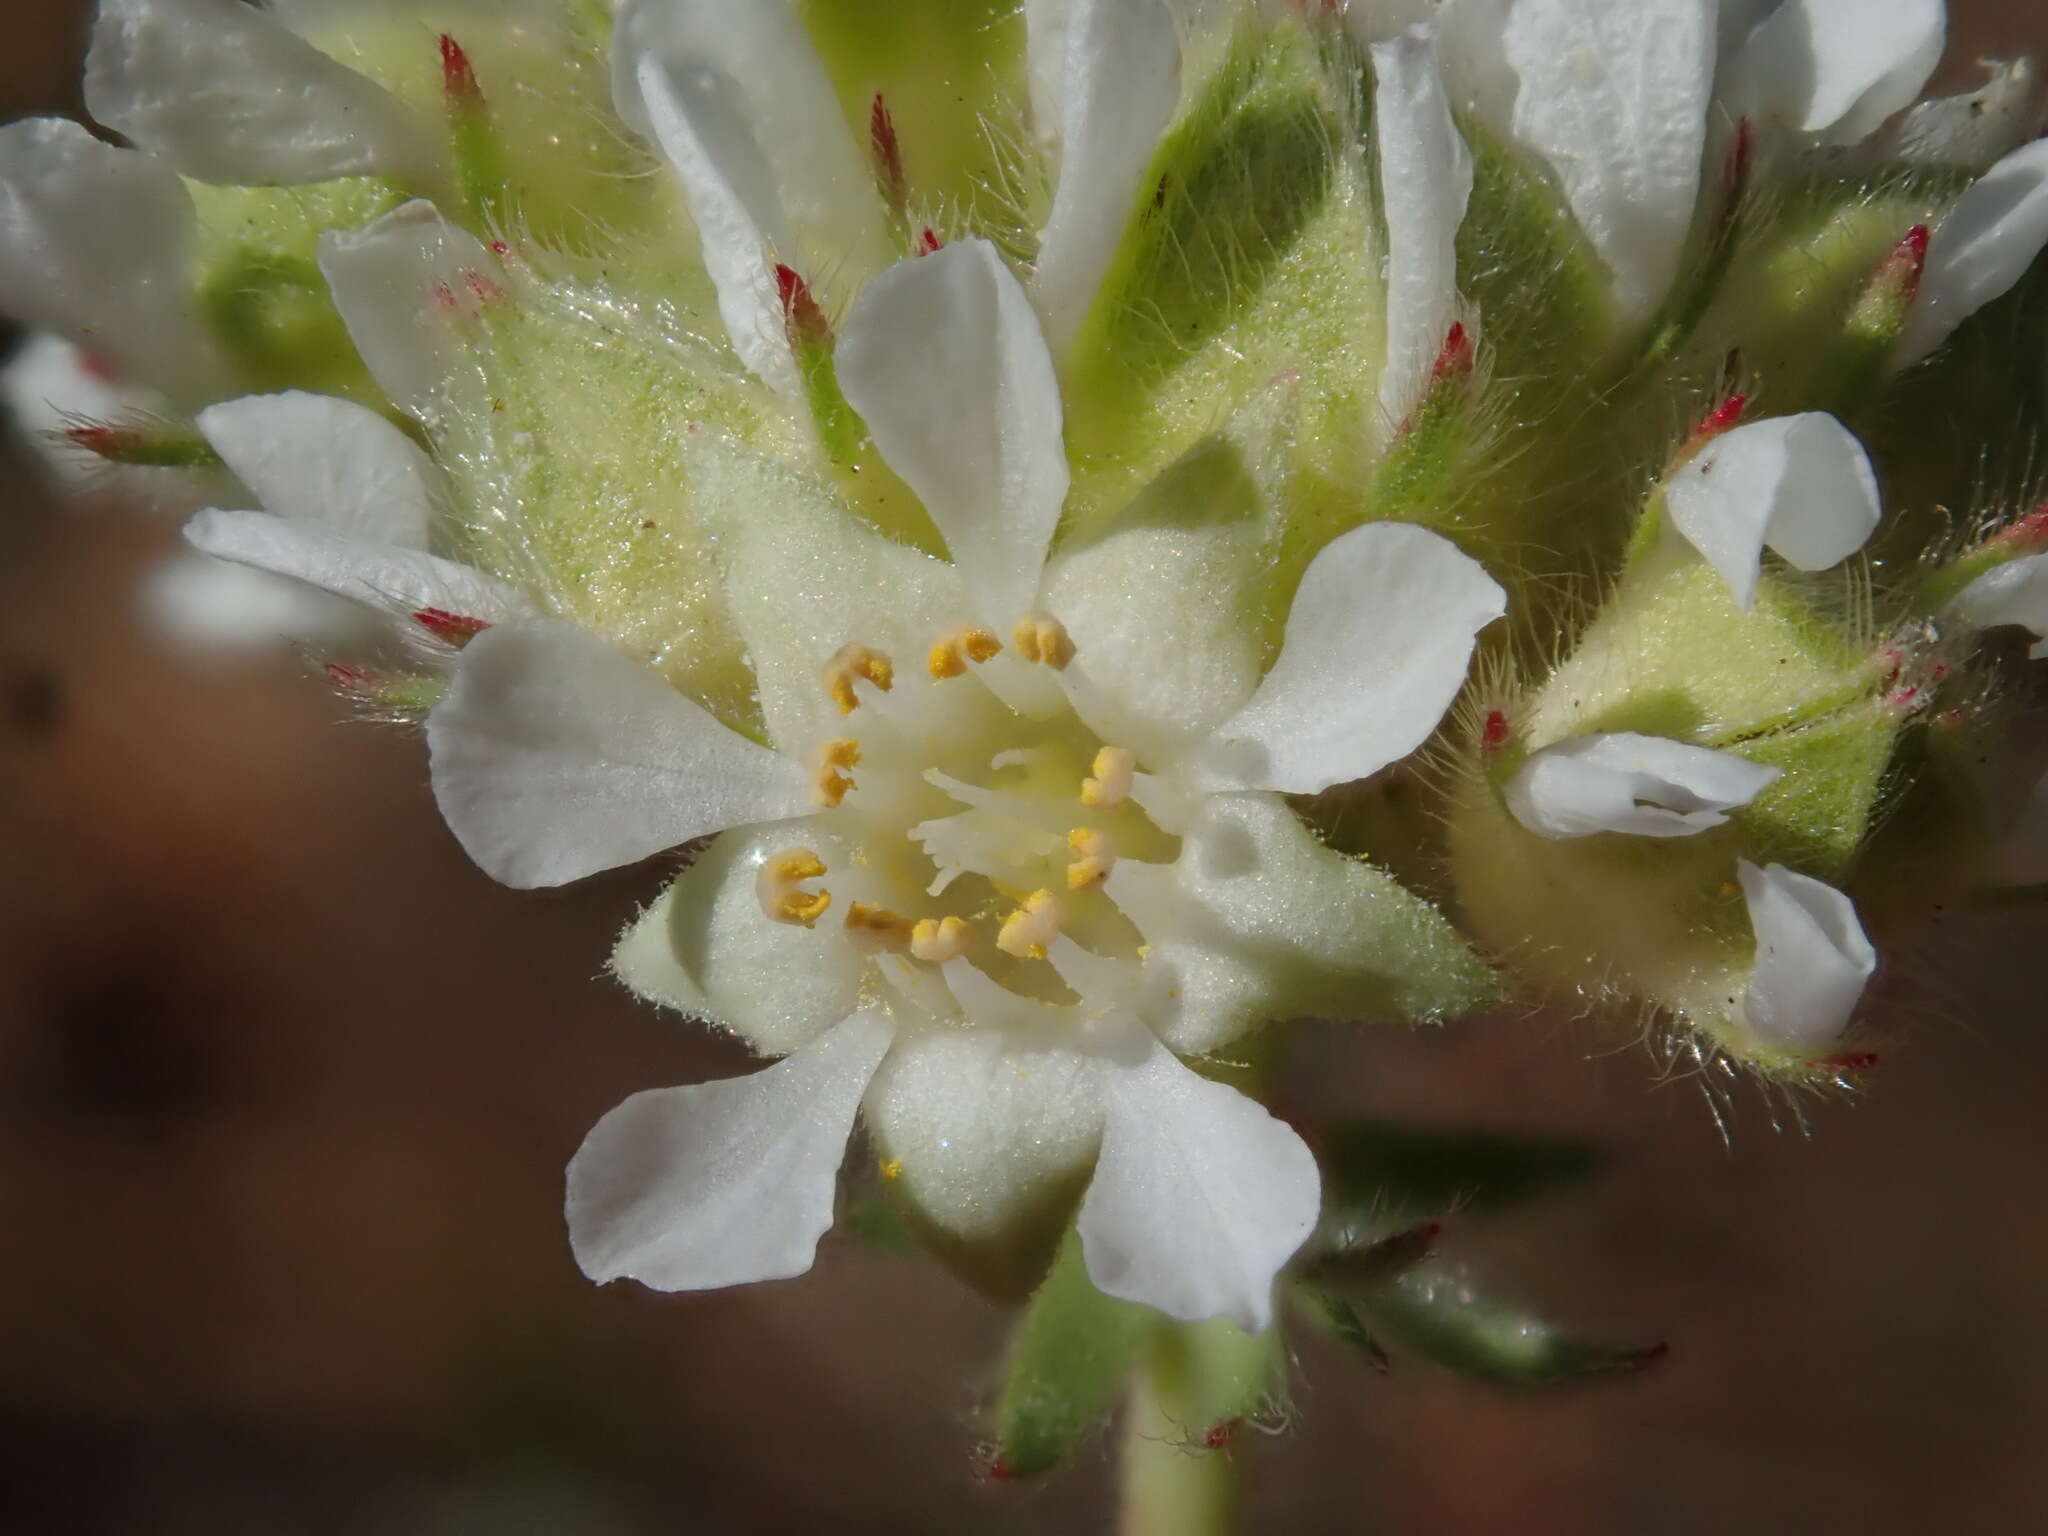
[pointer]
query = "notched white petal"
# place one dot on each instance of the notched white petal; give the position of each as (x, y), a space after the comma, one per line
(944, 358)
(327, 461)
(1980, 249)
(1121, 82)
(1426, 181)
(403, 284)
(1837, 68)
(2014, 593)
(229, 94)
(1378, 642)
(1800, 484)
(1647, 786)
(1199, 1196)
(689, 1189)
(1614, 98)
(555, 756)
(1812, 958)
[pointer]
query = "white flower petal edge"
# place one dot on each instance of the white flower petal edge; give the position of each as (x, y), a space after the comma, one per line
(1838, 68)
(1121, 83)
(1623, 782)
(1377, 646)
(1426, 173)
(1812, 957)
(327, 461)
(944, 358)
(2014, 593)
(401, 284)
(1980, 249)
(740, 222)
(1199, 1196)
(95, 245)
(723, 1183)
(1614, 98)
(555, 756)
(229, 94)
(401, 582)
(1800, 484)
(780, 96)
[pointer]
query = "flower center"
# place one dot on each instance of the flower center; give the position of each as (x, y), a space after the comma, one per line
(968, 814)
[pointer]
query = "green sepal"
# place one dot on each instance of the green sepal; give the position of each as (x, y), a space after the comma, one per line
(1070, 1361)
(1394, 1173)
(1226, 1377)
(1434, 1311)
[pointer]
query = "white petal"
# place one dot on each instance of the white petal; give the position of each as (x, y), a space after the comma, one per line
(1645, 785)
(944, 358)
(1615, 98)
(95, 244)
(1122, 83)
(782, 98)
(1379, 21)
(384, 576)
(698, 119)
(2013, 593)
(1812, 958)
(1837, 68)
(1159, 614)
(992, 1125)
(689, 1189)
(207, 605)
(1199, 1195)
(1972, 130)
(1378, 641)
(402, 284)
(556, 756)
(327, 461)
(229, 94)
(1980, 249)
(812, 578)
(1801, 484)
(1426, 181)
(705, 947)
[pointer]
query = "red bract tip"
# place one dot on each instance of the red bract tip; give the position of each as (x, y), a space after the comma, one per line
(107, 442)
(1722, 418)
(1220, 1436)
(888, 153)
(483, 287)
(458, 76)
(99, 366)
(1494, 734)
(999, 1471)
(454, 628)
(2031, 529)
(1455, 360)
(928, 241)
(801, 316)
(349, 679)
(1741, 158)
(1854, 1061)
(444, 296)
(1905, 264)
(500, 249)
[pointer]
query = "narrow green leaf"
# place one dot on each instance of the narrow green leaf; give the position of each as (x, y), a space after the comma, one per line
(1069, 1364)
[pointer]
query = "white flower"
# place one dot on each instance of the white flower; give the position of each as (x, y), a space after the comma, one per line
(1647, 786)
(1983, 246)
(1800, 484)
(1812, 958)
(2013, 593)
(990, 895)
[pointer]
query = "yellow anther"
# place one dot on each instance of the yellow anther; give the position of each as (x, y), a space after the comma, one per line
(951, 653)
(851, 664)
(1041, 637)
(1111, 785)
(892, 1170)
(876, 930)
(829, 780)
(1094, 857)
(1030, 930)
(780, 893)
(937, 940)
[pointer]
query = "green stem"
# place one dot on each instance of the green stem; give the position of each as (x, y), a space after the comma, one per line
(1171, 1487)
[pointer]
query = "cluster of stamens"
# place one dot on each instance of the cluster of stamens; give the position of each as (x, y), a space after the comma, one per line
(1028, 931)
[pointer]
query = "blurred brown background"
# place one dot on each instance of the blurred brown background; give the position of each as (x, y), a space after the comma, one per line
(286, 1090)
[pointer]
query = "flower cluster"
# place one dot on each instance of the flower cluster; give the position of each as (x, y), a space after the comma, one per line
(1019, 494)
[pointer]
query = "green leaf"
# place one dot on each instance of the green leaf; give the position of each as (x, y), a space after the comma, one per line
(1069, 1364)
(1398, 1172)
(1434, 1311)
